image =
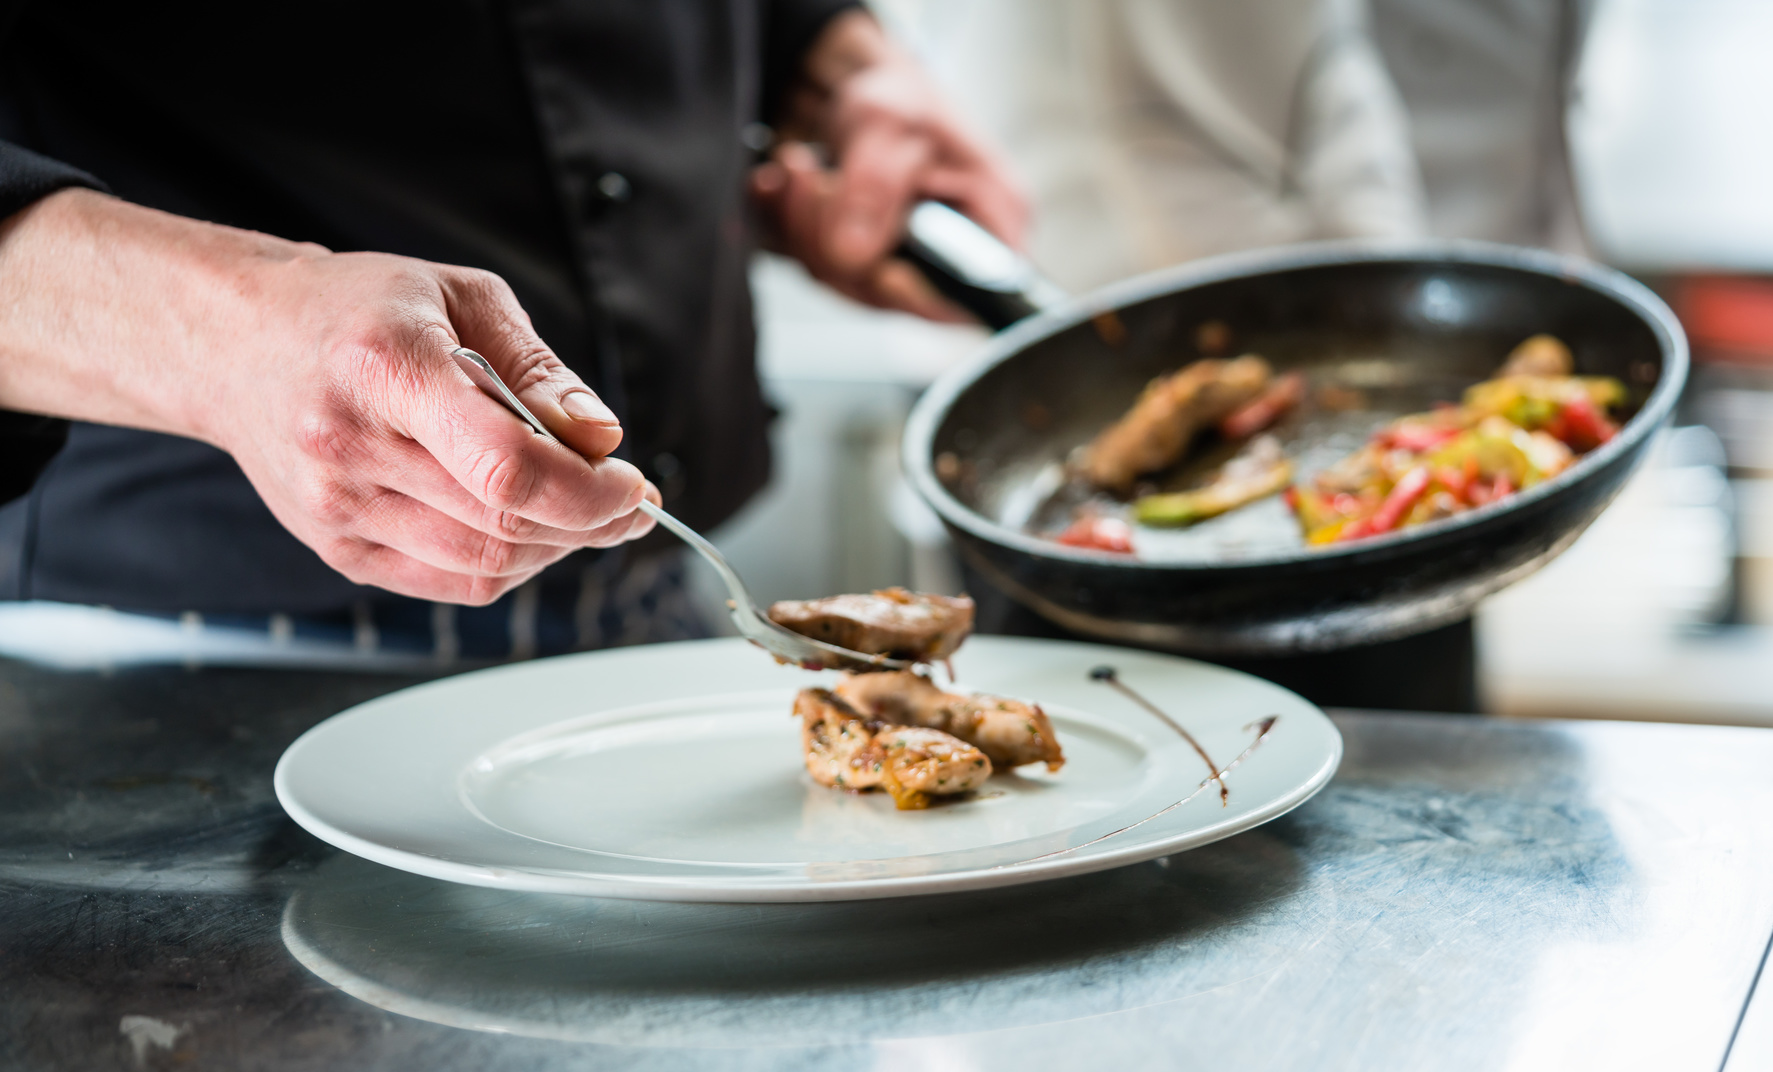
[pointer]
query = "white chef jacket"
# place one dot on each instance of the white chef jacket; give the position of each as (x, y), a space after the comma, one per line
(1151, 132)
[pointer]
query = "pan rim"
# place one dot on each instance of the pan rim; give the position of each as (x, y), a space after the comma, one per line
(921, 424)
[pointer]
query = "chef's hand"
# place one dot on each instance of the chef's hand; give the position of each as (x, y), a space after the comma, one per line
(329, 379)
(894, 142)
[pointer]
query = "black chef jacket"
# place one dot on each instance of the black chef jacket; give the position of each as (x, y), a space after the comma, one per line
(591, 152)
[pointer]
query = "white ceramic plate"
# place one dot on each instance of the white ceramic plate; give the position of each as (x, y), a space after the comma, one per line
(673, 772)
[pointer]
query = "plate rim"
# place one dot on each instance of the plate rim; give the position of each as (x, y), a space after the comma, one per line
(692, 889)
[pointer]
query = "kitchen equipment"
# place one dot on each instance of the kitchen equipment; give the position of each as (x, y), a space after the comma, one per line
(673, 772)
(751, 622)
(1397, 326)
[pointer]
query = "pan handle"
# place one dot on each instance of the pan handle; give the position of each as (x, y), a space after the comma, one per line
(972, 268)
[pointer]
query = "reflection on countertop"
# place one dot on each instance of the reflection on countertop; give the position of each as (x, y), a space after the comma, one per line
(1467, 893)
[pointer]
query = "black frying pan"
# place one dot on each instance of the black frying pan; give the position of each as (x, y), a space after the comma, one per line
(1400, 326)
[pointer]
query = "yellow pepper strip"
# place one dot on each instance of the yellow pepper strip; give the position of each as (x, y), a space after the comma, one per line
(1187, 507)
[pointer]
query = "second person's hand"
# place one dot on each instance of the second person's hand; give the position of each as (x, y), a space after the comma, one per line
(893, 141)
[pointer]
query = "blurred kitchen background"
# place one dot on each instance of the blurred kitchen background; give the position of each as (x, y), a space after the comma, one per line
(1635, 132)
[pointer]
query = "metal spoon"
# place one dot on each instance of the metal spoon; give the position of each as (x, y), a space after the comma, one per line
(751, 622)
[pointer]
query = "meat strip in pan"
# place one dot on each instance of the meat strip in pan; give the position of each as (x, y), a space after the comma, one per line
(1172, 410)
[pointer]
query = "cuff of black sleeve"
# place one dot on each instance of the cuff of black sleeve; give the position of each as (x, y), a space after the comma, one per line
(27, 441)
(26, 176)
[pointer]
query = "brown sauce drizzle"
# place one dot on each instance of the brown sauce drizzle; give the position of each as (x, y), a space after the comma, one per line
(1262, 726)
(1110, 677)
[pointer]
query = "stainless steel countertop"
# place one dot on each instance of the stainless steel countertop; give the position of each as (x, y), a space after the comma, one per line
(1467, 894)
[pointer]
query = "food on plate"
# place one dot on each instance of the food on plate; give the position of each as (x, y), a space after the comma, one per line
(1010, 732)
(894, 729)
(893, 622)
(1508, 433)
(918, 764)
(836, 740)
(1169, 414)
(1256, 472)
(846, 750)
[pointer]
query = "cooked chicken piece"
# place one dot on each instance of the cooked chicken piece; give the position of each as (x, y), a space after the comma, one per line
(1159, 427)
(891, 622)
(918, 763)
(1539, 355)
(1010, 732)
(837, 741)
(846, 751)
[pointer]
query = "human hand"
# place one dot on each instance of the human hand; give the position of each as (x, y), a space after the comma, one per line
(329, 379)
(895, 142)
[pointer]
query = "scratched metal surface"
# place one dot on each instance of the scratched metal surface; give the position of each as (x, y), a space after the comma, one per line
(1467, 894)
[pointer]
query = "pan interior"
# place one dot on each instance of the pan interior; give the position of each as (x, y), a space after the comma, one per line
(1374, 340)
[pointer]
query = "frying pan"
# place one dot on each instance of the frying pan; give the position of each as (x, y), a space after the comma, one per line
(1383, 328)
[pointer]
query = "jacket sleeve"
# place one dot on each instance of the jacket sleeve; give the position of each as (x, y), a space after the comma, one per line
(28, 442)
(26, 176)
(788, 31)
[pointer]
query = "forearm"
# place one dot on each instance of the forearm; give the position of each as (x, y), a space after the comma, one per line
(113, 313)
(329, 378)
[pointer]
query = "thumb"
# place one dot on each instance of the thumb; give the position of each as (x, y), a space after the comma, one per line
(488, 320)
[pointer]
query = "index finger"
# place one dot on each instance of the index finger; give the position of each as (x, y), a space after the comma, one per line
(501, 461)
(488, 319)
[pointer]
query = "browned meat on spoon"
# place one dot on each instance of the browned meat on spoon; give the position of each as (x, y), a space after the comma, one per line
(891, 622)
(1010, 732)
(1156, 432)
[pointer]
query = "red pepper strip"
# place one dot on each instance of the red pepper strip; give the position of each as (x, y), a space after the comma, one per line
(1100, 534)
(1404, 494)
(1502, 487)
(1266, 408)
(1581, 426)
(1454, 480)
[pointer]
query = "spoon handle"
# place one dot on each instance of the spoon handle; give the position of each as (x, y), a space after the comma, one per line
(480, 370)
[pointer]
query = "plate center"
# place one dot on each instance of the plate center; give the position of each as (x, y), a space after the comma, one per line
(719, 780)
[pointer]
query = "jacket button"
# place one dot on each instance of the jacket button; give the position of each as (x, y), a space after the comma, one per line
(758, 137)
(613, 186)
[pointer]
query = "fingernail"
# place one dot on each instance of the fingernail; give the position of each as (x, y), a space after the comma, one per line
(585, 406)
